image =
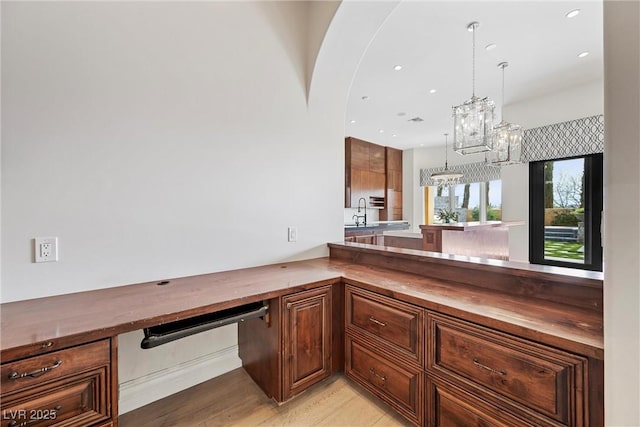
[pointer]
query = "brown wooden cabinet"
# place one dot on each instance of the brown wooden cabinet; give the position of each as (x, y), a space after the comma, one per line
(393, 190)
(298, 344)
(307, 339)
(451, 406)
(370, 239)
(537, 384)
(73, 386)
(384, 349)
(364, 173)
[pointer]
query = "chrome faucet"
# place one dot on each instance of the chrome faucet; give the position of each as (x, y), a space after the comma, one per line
(358, 217)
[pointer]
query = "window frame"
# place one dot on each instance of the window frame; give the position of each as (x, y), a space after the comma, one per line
(593, 204)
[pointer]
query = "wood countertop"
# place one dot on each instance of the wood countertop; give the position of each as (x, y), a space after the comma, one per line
(81, 317)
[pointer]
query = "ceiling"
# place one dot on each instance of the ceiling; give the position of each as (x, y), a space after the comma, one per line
(430, 41)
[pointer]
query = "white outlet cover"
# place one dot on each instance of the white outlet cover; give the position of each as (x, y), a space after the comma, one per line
(45, 249)
(292, 234)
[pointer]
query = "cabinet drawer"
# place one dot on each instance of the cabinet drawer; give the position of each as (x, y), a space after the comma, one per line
(79, 400)
(396, 323)
(398, 384)
(34, 371)
(450, 406)
(546, 380)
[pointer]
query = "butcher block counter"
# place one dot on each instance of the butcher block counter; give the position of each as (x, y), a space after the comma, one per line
(551, 313)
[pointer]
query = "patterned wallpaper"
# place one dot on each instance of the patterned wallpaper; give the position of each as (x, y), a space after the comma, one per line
(472, 172)
(567, 139)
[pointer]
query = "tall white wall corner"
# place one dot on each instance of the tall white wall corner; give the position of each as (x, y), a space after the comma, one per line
(157, 385)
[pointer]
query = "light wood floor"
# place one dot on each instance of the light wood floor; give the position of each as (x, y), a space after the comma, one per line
(233, 399)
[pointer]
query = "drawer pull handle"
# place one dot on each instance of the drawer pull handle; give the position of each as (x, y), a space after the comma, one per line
(375, 374)
(47, 415)
(15, 375)
(376, 321)
(495, 371)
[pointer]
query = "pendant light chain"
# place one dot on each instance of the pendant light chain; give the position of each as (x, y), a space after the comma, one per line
(473, 61)
(446, 158)
(502, 104)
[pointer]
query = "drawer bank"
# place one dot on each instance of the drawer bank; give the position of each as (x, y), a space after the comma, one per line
(444, 340)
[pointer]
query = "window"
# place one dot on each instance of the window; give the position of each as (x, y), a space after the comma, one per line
(477, 201)
(565, 209)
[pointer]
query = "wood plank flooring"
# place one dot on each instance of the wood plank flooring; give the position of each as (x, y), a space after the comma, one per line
(233, 399)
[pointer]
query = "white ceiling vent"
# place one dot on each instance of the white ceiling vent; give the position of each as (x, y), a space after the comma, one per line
(416, 119)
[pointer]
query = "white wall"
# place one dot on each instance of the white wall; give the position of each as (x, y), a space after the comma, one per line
(158, 140)
(622, 205)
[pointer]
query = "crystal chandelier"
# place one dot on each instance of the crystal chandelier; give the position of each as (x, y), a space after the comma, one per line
(507, 137)
(446, 177)
(473, 120)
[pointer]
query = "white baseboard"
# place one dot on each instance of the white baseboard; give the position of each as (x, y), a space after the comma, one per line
(144, 390)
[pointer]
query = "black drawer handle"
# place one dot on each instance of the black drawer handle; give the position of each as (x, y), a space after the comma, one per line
(15, 375)
(376, 321)
(46, 415)
(494, 371)
(375, 374)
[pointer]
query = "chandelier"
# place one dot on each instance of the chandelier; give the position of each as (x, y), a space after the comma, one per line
(507, 137)
(473, 120)
(446, 177)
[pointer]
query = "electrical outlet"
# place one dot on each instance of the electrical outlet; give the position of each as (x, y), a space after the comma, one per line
(45, 249)
(292, 234)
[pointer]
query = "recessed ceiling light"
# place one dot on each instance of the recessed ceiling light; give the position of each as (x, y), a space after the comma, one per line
(397, 67)
(583, 54)
(381, 131)
(394, 135)
(353, 121)
(433, 90)
(365, 98)
(490, 46)
(573, 13)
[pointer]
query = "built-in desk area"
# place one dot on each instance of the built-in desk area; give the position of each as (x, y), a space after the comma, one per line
(432, 336)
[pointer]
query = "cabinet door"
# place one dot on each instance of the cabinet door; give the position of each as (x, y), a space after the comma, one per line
(365, 173)
(307, 339)
(376, 159)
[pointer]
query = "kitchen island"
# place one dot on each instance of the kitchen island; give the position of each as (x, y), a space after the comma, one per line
(488, 239)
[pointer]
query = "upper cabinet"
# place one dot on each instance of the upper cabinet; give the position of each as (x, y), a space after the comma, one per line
(364, 174)
(393, 191)
(367, 168)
